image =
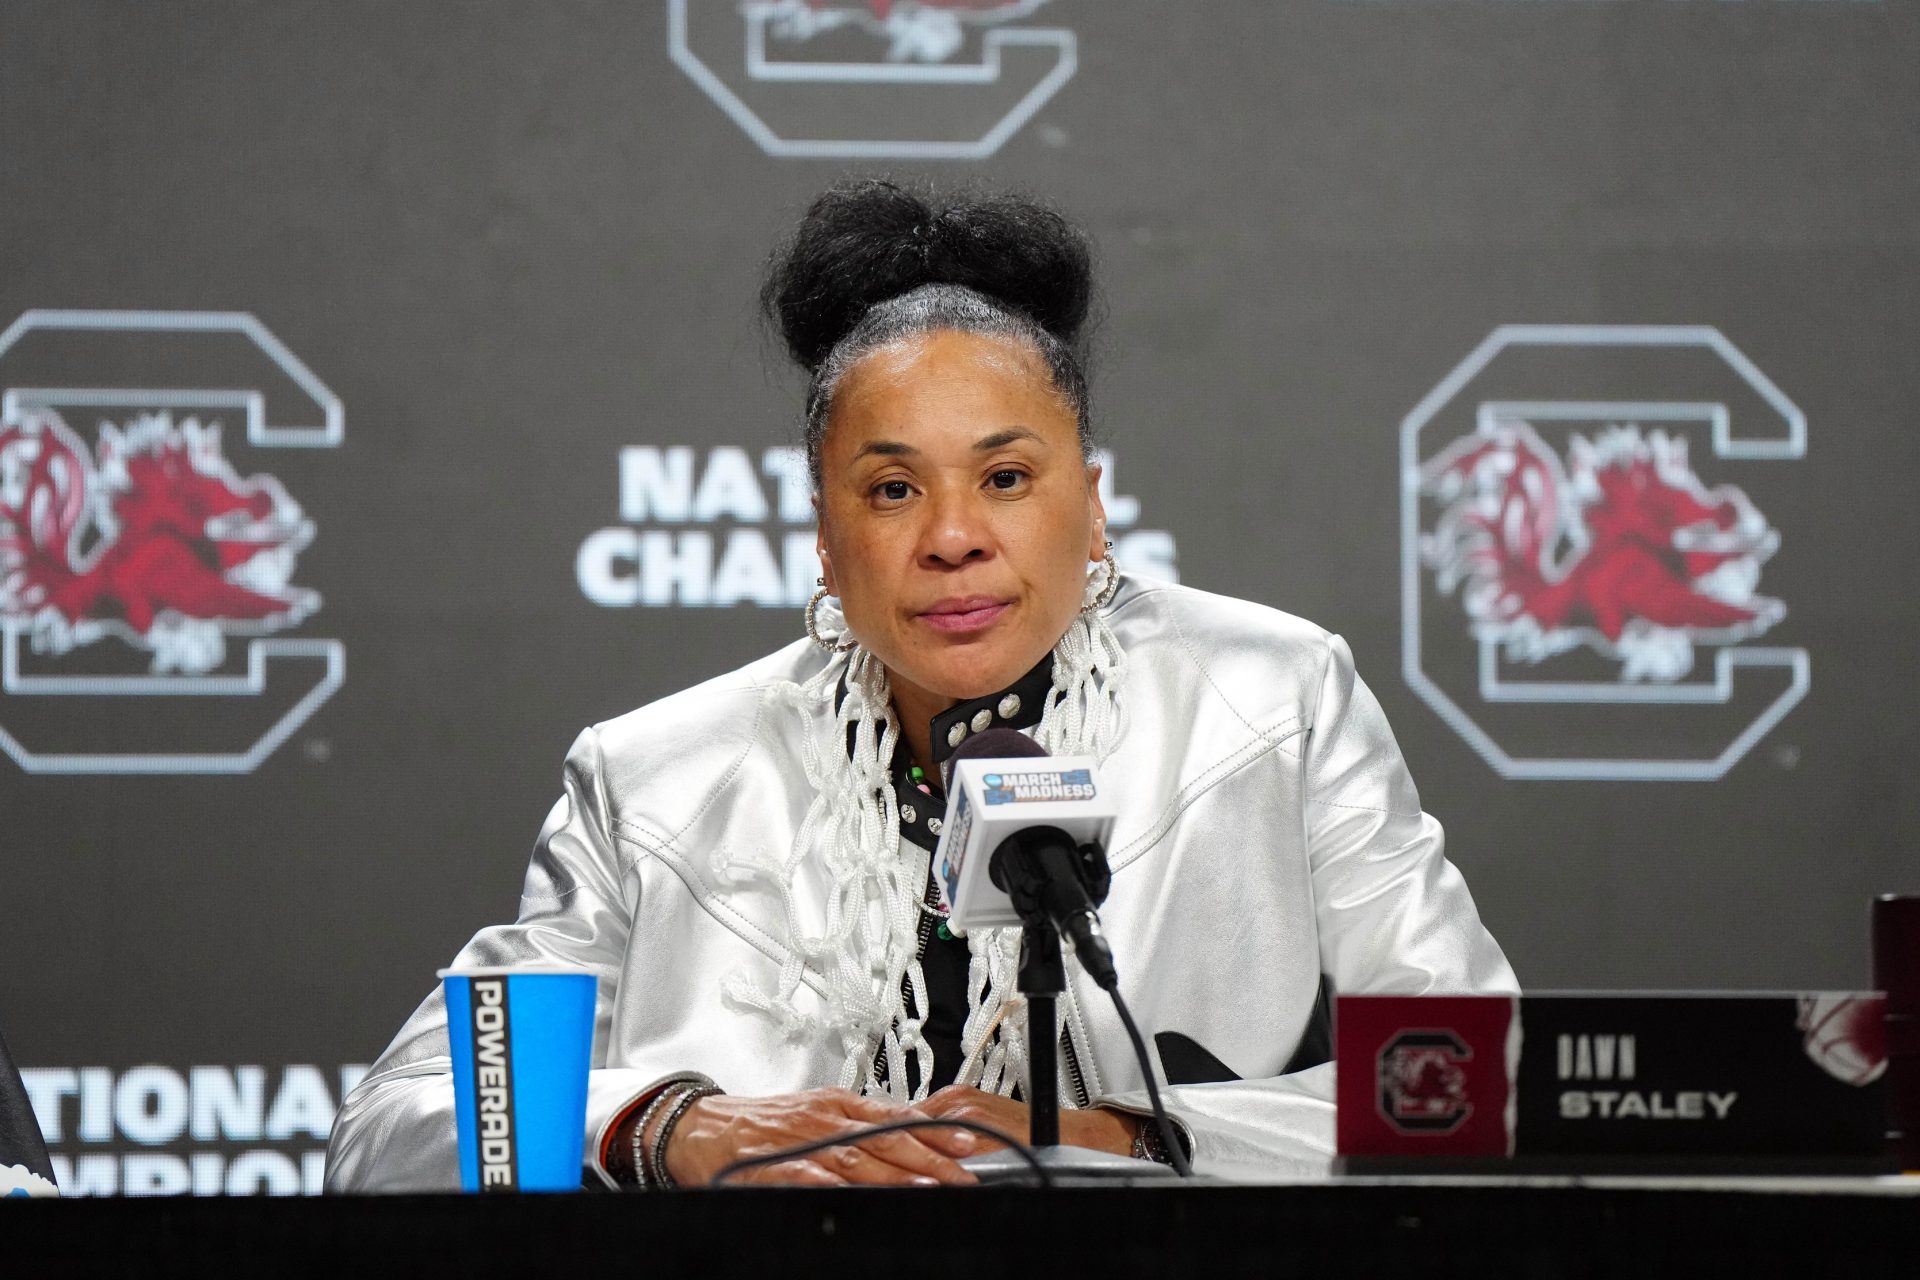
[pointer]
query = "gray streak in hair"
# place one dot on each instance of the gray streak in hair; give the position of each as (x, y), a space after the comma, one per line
(932, 308)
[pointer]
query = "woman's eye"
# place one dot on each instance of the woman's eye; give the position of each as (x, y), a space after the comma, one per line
(894, 490)
(1006, 479)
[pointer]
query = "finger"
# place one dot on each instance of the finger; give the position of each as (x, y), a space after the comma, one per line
(861, 1168)
(911, 1152)
(873, 1110)
(948, 1100)
(946, 1139)
(969, 1110)
(981, 1141)
(790, 1173)
(966, 1106)
(952, 1139)
(949, 1139)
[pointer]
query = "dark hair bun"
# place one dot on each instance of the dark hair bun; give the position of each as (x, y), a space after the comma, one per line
(864, 242)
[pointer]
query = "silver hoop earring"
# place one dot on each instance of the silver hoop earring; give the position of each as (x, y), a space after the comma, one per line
(1104, 596)
(813, 628)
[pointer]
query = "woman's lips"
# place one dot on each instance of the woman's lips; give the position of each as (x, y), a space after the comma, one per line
(975, 613)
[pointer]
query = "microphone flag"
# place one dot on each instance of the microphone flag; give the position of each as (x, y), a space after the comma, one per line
(990, 798)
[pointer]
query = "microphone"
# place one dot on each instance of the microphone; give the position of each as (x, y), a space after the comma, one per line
(1023, 843)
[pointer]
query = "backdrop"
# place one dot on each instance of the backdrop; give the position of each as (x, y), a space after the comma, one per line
(384, 402)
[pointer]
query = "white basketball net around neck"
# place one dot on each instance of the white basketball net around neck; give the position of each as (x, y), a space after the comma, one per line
(853, 827)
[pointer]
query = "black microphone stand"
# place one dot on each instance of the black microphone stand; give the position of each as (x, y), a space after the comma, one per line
(1041, 978)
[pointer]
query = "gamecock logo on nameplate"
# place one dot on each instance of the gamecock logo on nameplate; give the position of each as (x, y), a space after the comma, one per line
(1423, 1082)
(148, 580)
(873, 79)
(1584, 549)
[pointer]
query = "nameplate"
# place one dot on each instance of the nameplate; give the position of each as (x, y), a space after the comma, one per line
(1612, 1080)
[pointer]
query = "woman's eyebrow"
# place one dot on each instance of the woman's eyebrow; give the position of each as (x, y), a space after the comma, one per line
(897, 449)
(999, 438)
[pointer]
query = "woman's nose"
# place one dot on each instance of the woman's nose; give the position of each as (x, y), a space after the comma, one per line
(956, 531)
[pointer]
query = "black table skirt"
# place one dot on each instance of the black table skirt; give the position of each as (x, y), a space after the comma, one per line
(1385, 1229)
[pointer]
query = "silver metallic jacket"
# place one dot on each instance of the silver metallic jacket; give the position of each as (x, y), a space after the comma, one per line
(1268, 833)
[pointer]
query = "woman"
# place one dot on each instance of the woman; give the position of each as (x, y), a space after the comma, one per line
(746, 863)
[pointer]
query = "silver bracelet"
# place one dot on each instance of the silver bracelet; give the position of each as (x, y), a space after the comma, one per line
(651, 1094)
(1148, 1144)
(665, 1095)
(657, 1177)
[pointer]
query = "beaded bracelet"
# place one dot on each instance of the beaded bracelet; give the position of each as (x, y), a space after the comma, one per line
(665, 1095)
(630, 1125)
(684, 1096)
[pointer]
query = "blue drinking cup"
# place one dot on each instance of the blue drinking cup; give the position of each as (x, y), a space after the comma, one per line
(522, 1040)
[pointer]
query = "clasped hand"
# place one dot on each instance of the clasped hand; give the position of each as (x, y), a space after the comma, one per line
(718, 1131)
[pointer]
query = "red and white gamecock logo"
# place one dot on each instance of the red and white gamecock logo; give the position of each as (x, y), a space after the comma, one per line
(1622, 549)
(1423, 1082)
(1577, 601)
(153, 538)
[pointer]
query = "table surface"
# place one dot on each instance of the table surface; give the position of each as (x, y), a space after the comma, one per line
(1542, 1225)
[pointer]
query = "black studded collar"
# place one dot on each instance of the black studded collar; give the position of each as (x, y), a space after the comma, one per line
(1018, 706)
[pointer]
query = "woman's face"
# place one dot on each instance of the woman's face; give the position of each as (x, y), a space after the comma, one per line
(957, 513)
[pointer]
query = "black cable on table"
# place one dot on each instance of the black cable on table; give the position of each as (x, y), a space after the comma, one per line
(1175, 1151)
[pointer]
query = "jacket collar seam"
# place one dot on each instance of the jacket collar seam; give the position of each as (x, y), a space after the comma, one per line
(1180, 636)
(733, 770)
(1190, 794)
